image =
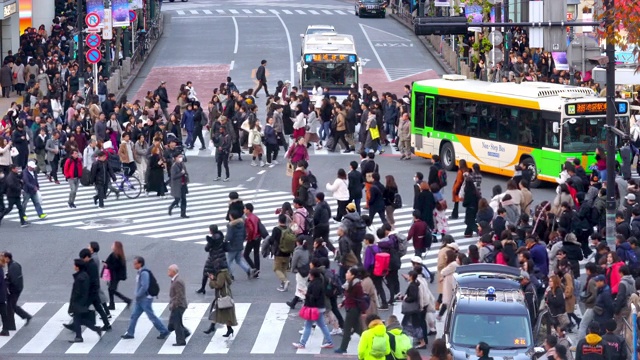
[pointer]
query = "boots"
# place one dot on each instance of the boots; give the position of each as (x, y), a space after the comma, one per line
(454, 212)
(229, 332)
(211, 329)
(293, 302)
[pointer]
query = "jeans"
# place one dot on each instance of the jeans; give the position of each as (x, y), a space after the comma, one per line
(34, 199)
(321, 324)
(390, 129)
(189, 141)
(587, 318)
(144, 306)
(237, 257)
(73, 189)
(253, 245)
(325, 130)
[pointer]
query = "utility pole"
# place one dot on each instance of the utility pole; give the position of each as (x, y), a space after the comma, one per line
(80, 54)
(107, 46)
(507, 38)
(611, 121)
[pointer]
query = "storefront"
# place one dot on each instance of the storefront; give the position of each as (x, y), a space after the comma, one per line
(9, 27)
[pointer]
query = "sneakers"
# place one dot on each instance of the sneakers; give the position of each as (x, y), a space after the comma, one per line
(281, 288)
(340, 351)
(298, 345)
(217, 179)
(25, 224)
(43, 216)
(327, 346)
(337, 331)
(275, 162)
(226, 180)
(285, 285)
(253, 163)
(261, 163)
(268, 164)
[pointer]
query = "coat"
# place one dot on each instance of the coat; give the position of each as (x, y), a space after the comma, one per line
(177, 294)
(178, 179)
(375, 328)
(448, 282)
(80, 299)
(117, 267)
(222, 316)
(340, 189)
(442, 258)
(217, 259)
(569, 297)
(236, 234)
(457, 186)
(6, 78)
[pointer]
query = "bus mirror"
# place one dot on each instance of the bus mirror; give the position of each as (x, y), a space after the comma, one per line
(298, 67)
(302, 36)
(556, 127)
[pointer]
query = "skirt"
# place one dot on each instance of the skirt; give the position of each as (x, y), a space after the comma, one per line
(298, 133)
(301, 286)
(257, 150)
(311, 137)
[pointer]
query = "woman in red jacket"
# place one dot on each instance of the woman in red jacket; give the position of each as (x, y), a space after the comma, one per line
(612, 271)
(73, 173)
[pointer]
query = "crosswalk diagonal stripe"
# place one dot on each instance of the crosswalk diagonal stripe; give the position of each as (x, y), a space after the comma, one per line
(246, 11)
(31, 308)
(91, 338)
(48, 333)
(313, 12)
(220, 11)
(272, 326)
(194, 12)
(180, 12)
(300, 12)
(208, 12)
(327, 12)
(190, 319)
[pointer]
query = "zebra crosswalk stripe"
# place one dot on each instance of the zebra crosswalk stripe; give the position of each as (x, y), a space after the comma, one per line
(267, 339)
(191, 319)
(48, 333)
(313, 12)
(219, 344)
(30, 308)
(91, 338)
(143, 327)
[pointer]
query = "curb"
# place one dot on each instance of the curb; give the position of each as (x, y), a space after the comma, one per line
(133, 75)
(443, 64)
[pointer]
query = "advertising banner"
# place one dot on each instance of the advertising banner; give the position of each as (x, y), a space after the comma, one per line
(120, 12)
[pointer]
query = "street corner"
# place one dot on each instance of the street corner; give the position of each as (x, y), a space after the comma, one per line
(394, 80)
(204, 77)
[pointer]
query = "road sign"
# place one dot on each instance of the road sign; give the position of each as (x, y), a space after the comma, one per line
(132, 16)
(93, 40)
(94, 56)
(107, 25)
(92, 19)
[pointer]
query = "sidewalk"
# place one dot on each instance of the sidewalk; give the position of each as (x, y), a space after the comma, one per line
(5, 103)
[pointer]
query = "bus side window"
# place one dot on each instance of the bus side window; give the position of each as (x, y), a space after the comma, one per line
(418, 118)
(429, 109)
(550, 138)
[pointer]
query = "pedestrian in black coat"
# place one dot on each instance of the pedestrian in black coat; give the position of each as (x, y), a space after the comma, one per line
(13, 190)
(470, 202)
(94, 287)
(3, 304)
(80, 301)
(21, 143)
(376, 199)
(15, 285)
(217, 259)
(235, 205)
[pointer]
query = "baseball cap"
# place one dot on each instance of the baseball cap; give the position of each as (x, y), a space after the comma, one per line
(454, 246)
(599, 278)
(31, 164)
(523, 275)
(416, 260)
(631, 197)
(351, 207)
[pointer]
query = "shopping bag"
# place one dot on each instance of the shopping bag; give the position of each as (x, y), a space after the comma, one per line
(290, 169)
(375, 133)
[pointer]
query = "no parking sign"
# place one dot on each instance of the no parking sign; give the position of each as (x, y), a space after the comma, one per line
(93, 40)
(94, 56)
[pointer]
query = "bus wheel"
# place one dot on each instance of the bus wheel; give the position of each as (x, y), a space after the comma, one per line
(448, 157)
(534, 182)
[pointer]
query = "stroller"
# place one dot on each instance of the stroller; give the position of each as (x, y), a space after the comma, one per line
(179, 145)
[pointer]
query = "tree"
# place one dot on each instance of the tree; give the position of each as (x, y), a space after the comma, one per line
(625, 27)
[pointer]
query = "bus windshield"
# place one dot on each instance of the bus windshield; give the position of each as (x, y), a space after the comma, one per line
(332, 75)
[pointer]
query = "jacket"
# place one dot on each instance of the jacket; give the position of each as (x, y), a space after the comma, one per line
(117, 267)
(376, 329)
(340, 189)
(321, 214)
(370, 257)
(626, 287)
(346, 258)
(3, 288)
(15, 281)
(52, 147)
(71, 166)
(540, 258)
(188, 121)
(603, 308)
(592, 347)
(217, 259)
(251, 226)
(274, 241)
(376, 197)
(300, 258)
(177, 294)
(236, 234)
(555, 301)
(315, 294)
(417, 233)
(178, 179)
(13, 185)
(353, 292)
(123, 153)
(29, 182)
(235, 205)
(355, 186)
(615, 345)
(261, 74)
(101, 173)
(270, 136)
(80, 299)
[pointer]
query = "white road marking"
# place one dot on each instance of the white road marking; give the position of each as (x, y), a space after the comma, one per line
(235, 25)
(31, 308)
(234, 11)
(143, 327)
(300, 12)
(313, 12)
(218, 344)
(180, 12)
(271, 329)
(340, 12)
(233, 62)
(260, 11)
(191, 318)
(208, 12)
(262, 172)
(246, 11)
(48, 333)
(327, 12)
(287, 12)
(220, 11)
(375, 53)
(251, 178)
(91, 339)
(194, 12)
(274, 11)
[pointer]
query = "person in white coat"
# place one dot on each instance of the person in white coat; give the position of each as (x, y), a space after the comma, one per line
(340, 190)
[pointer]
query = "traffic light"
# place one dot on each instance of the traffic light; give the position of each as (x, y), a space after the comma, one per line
(445, 25)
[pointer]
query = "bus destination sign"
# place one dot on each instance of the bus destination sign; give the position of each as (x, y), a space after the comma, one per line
(334, 58)
(593, 108)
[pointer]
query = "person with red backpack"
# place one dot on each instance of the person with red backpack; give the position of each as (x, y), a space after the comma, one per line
(375, 265)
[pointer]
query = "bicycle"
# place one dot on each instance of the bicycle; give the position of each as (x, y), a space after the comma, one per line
(130, 186)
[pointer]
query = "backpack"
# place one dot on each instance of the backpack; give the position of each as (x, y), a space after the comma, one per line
(334, 287)
(313, 182)
(491, 257)
(308, 225)
(114, 162)
(399, 344)
(632, 259)
(397, 201)
(363, 303)
(381, 264)
(287, 241)
(378, 346)
(442, 178)
(358, 231)
(402, 244)
(311, 196)
(154, 288)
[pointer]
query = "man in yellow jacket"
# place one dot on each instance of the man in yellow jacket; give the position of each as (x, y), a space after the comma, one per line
(374, 342)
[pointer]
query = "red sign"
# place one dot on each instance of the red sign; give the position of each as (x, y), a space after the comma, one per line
(569, 16)
(93, 40)
(92, 19)
(132, 16)
(94, 56)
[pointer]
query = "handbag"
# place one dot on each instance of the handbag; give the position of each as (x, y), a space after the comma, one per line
(290, 169)
(309, 313)
(375, 133)
(106, 274)
(409, 308)
(225, 302)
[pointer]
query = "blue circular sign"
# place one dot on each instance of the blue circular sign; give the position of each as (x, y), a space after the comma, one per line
(132, 16)
(93, 40)
(94, 56)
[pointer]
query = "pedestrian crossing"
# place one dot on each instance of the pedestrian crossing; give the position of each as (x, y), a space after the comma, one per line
(259, 12)
(389, 150)
(206, 205)
(262, 329)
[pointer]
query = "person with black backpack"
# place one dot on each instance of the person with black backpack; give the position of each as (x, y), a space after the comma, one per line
(321, 216)
(146, 289)
(356, 230)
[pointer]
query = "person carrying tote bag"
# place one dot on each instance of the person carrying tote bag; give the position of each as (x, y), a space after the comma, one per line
(223, 310)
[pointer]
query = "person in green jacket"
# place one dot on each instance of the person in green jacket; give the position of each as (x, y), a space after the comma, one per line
(399, 342)
(374, 342)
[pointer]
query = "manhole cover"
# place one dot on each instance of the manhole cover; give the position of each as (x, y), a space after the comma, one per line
(107, 222)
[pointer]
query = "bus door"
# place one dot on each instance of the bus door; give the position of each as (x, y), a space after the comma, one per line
(422, 127)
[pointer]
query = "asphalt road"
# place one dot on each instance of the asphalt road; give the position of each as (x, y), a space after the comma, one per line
(199, 46)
